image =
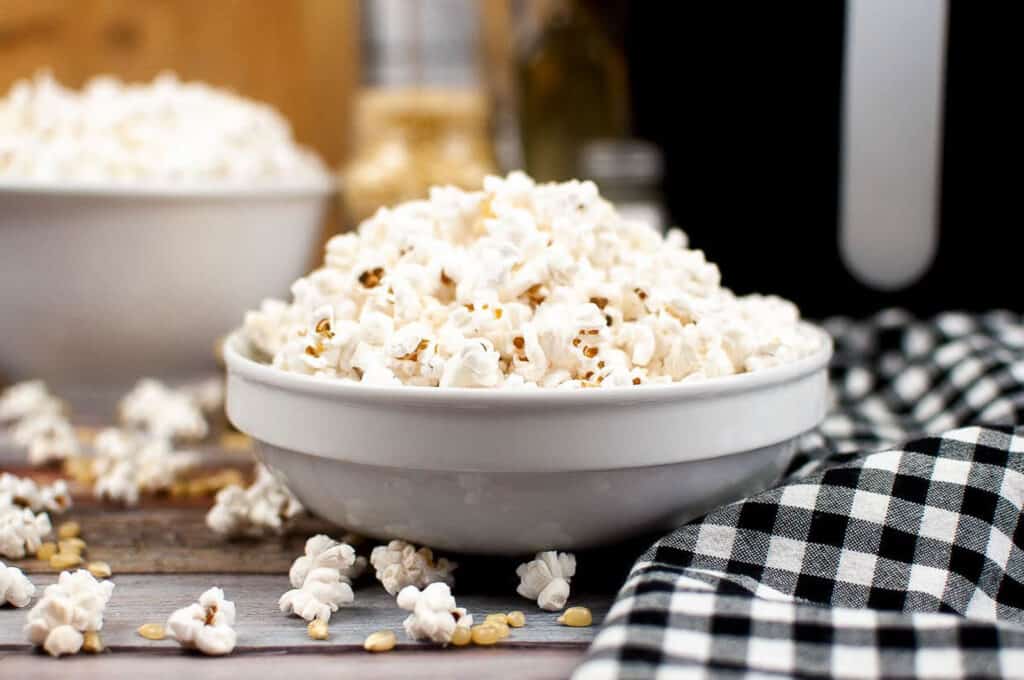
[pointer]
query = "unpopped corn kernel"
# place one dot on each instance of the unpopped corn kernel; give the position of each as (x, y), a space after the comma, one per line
(65, 560)
(152, 631)
(74, 546)
(317, 629)
(381, 641)
(99, 569)
(46, 551)
(516, 619)
(577, 617)
(485, 634)
(499, 618)
(69, 530)
(462, 636)
(92, 643)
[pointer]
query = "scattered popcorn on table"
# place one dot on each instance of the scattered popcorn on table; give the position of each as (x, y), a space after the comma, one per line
(399, 564)
(435, 615)
(207, 625)
(129, 463)
(264, 507)
(163, 412)
(546, 579)
(324, 551)
(15, 588)
(23, 491)
(520, 285)
(68, 609)
(321, 579)
(21, 530)
(162, 132)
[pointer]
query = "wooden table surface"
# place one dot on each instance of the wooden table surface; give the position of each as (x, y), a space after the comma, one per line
(163, 557)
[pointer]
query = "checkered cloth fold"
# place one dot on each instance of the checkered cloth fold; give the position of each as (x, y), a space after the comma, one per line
(886, 553)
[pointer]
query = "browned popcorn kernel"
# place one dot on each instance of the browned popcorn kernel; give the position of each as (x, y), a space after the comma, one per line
(152, 631)
(485, 635)
(462, 636)
(323, 326)
(590, 352)
(516, 619)
(593, 331)
(640, 293)
(445, 279)
(497, 313)
(91, 642)
(519, 342)
(576, 342)
(381, 641)
(69, 530)
(636, 381)
(371, 278)
(317, 629)
(601, 302)
(99, 569)
(577, 617)
(46, 551)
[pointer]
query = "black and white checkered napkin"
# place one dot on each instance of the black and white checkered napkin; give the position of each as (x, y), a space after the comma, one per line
(882, 555)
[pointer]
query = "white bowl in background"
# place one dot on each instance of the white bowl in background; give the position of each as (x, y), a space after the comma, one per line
(508, 472)
(101, 285)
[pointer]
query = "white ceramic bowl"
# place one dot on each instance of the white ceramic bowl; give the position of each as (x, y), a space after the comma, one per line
(99, 285)
(506, 472)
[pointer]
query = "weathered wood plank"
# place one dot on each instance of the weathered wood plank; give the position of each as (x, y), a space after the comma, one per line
(150, 598)
(498, 662)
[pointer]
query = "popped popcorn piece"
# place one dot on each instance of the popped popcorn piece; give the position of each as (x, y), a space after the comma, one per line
(53, 498)
(399, 564)
(72, 606)
(264, 507)
(162, 132)
(520, 285)
(435, 615)
(47, 435)
(128, 464)
(207, 625)
(546, 579)
(162, 412)
(26, 399)
(324, 551)
(208, 394)
(21, 530)
(15, 588)
(321, 579)
(322, 593)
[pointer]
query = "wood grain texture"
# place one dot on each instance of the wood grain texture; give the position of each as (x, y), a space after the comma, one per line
(497, 662)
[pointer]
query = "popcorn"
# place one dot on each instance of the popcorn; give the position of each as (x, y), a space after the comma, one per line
(163, 132)
(265, 507)
(27, 399)
(207, 625)
(68, 609)
(21, 530)
(15, 588)
(54, 498)
(324, 551)
(129, 463)
(434, 613)
(321, 579)
(162, 412)
(546, 579)
(399, 564)
(519, 285)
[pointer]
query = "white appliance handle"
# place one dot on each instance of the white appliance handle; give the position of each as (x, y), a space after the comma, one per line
(892, 135)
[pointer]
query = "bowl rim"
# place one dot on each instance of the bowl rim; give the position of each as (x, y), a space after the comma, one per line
(240, 364)
(268, 189)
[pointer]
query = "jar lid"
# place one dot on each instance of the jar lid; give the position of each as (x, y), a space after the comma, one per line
(416, 43)
(621, 161)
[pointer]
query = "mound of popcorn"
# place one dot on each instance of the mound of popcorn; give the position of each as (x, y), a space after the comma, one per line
(520, 285)
(166, 131)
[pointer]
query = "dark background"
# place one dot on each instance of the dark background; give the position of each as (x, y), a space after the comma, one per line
(744, 98)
